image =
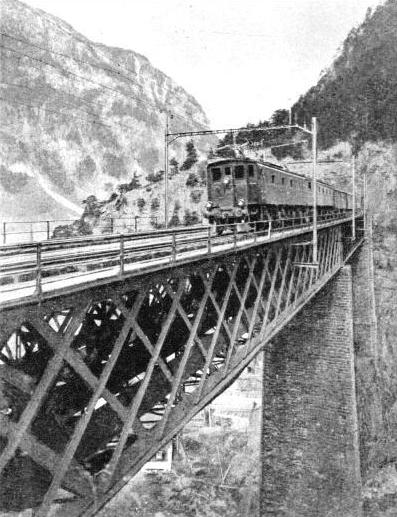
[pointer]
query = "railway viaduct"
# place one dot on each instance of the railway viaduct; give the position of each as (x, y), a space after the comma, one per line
(110, 345)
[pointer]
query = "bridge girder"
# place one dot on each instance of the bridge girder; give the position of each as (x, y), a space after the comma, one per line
(94, 383)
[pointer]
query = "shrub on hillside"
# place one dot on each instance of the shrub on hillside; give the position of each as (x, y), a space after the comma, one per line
(174, 167)
(141, 203)
(191, 157)
(155, 177)
(191, 217)
(192, 180)
(132, 185)
(155, 205)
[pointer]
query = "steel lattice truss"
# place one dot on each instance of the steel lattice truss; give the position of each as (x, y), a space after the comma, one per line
(94, 384)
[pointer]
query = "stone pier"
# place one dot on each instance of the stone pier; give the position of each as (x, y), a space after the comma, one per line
(310, 441)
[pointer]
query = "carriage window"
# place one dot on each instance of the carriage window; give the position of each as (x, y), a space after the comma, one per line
(282, 181)
(239, 172)
(309, 185)
(291, 183)
(227, 170)
(273, 177)
(250, 170)
(216, 174)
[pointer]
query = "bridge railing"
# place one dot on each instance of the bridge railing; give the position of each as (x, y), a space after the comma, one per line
(15, 232)
(31, 263)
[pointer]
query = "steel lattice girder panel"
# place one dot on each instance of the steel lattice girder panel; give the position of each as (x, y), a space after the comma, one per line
(94, 384)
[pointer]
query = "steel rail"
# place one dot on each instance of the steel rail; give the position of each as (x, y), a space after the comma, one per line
(44, 270)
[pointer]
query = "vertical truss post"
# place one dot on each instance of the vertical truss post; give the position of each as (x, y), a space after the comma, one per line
(4, 233)
(235, 236)
(48, 230)
(173, 247)
(38, 290)
(121, 257)
(354, 198)
(314, 151)
(209, 240)
(166, 143)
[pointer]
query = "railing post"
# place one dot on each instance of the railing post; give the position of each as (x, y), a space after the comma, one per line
(48, 230)
(209, 249)
(4, 233)
(121, 255)
(111, 225)
(235, 236)
(38, 290)
(136, 223)
(255, 231)
(31, 232)
(173, 247)
(269, 229)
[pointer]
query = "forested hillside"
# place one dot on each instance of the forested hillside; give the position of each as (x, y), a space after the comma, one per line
(357, 96)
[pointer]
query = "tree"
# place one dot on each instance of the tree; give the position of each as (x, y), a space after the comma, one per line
(192, 180)
(141, 203)
(155, 203)
(191, 156)
(280, 117)
(174, 167)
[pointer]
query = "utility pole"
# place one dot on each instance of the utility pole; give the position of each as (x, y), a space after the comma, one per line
(365, 199)
(354, 198)
(314, 184)
(166, 170)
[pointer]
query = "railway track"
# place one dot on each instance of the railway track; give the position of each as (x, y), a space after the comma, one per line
(34, 268)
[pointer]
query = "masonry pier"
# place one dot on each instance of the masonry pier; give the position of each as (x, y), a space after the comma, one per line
(310, 442)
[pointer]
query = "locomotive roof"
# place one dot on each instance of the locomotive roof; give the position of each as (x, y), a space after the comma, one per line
(219, 161)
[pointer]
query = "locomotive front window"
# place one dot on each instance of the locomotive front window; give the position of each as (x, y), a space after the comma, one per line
(227, 171)
(239, 172)
(250, 170)
(216, 174)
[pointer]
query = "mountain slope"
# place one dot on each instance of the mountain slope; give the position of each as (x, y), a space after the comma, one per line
(78, 118)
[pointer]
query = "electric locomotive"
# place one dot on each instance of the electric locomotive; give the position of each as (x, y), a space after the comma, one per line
(243, 190)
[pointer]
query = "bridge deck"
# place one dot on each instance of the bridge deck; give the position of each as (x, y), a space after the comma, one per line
(193, 246)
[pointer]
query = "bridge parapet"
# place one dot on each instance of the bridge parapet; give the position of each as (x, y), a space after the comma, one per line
(96, 379)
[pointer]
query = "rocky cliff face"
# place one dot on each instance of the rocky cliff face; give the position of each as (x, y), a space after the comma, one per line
(78, 118)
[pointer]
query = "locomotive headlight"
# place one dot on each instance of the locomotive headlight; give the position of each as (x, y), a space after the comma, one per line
(241, 202)
(209, 205)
